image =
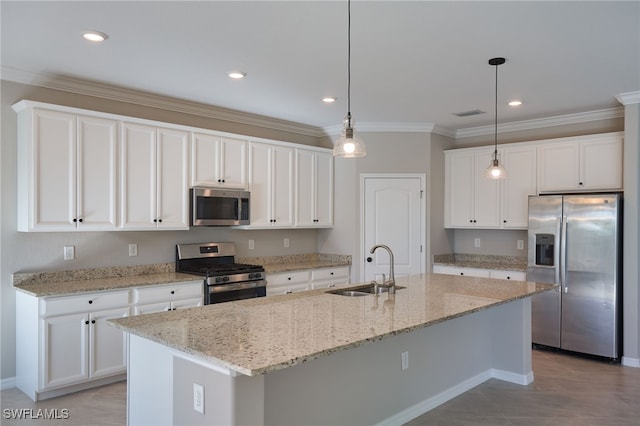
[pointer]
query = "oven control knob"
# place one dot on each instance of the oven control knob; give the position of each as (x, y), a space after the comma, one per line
(218, 280)
(225, 279)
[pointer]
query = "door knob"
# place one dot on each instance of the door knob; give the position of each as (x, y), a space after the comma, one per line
(369, 259)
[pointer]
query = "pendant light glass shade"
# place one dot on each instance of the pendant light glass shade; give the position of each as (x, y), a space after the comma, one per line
(495, 169)
(348, 145)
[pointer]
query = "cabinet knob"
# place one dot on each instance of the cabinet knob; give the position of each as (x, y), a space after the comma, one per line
(461, 273)
(80, 220)
(504, 221)
(173, 292)
(155, 220)
(87, 322)
(580, 183)
(331, 273)
(90, 302)
(75, 220)
(93, 321)
(369, 259)
(289, 278)
(160, 220)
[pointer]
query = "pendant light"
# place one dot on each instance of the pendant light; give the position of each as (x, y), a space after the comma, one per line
(495, 169)
(348, 145)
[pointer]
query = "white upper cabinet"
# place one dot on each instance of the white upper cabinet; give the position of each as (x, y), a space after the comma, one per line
(66, 171)
(218, 161)
(271, 171)
(154, 170)
(471, 200)
(314, 188)
(520, 163)
(584, 163)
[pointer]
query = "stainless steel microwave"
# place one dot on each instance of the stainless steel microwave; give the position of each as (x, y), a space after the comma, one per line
(219, 207)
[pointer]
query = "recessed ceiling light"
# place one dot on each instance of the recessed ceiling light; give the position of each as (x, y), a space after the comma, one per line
(515, 103)
(237, 74)
(329, 99)
(96, 36)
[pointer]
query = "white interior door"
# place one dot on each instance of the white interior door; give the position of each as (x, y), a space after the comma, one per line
(393, 209)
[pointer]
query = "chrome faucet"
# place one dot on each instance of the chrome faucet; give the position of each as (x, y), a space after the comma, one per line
(391, 282)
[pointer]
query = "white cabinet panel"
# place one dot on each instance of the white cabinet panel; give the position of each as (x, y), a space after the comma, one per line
(329, 277)
(218, 161)
(520, 163)
(271, 169)
(107, 344)
(584, 163)
(154, 171)
(287, 282)
(471, 200)
(66, 171)
(456, 270)
(314, 189)
(64, 350)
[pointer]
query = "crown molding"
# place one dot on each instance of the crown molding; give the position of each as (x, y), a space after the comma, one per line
(629, 98)
(120, 94)
(104, 91)
(560, 120)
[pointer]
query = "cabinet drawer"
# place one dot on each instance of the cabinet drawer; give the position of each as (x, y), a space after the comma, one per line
(285, 278)
(87, 302)
(509, 275)
(455, 270)
(176, 291)
(330, 273)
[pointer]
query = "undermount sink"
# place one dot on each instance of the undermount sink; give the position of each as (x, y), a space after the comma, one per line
(362, 290)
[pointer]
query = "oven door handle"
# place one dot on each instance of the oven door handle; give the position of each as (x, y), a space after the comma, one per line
(223, 288)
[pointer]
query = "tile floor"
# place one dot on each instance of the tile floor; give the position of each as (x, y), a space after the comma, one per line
(568, 390)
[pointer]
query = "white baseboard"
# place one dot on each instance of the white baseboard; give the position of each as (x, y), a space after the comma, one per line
(429, 404)
(630, 362)
(8, 383)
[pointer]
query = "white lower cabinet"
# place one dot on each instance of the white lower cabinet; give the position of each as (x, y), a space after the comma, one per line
(167, 297)
(479, 272)
(294, 281)
(287, 282)
(329, 277)
(66, 341)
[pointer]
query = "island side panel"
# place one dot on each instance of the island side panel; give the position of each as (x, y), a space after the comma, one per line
(366, 385)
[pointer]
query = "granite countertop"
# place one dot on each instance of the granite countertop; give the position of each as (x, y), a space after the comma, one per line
(60, 283)
(505, 263)
(261, 335)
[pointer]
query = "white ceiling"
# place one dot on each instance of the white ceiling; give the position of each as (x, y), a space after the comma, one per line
(414, 63)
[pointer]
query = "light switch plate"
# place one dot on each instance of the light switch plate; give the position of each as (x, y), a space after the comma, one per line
(133, 249)
(520, 244)
(69, 252)
(476, 242)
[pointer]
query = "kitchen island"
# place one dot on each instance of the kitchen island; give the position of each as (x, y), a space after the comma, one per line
(320, 358)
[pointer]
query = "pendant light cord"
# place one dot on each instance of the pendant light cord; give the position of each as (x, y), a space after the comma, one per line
(495, 134)
(349, 60)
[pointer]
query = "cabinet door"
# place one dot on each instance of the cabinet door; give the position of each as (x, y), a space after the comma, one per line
(138, 177)
(172, 179)
(601, 164)
(282, 187)
(107, 344)
(96, 175)
(64, 350)
(53, 167)
(324, 189)
(459, 189)
(204, 153)
(486, 193)
(305, 188)
(520, 163)
(233, 163)
(259, 184)
(558, 167)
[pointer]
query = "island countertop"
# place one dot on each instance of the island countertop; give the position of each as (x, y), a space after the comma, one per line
(262, 335)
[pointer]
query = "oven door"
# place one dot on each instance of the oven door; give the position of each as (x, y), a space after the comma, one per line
(236, 291)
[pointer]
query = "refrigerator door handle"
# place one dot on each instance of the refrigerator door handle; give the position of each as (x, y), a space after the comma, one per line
(563, 254)
(556, 252)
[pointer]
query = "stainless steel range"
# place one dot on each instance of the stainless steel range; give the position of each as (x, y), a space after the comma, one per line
(224, 280)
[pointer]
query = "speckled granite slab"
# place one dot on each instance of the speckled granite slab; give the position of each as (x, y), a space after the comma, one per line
(258, 336)
(297, 262)
(58, 283)
(508, 263)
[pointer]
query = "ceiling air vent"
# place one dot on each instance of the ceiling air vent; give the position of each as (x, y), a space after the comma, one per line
(469, 113)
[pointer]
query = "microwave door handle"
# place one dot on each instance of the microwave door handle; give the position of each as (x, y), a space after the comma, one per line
(239, 218)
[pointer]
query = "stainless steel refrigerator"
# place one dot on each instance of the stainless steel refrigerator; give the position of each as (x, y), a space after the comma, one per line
(575, 241)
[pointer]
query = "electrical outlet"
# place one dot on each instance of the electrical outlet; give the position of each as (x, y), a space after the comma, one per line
(286, 243)
(405, 360)
(69, 252)
(520, 244)
(133, 249)
(476, 242)
(252, 244)
(198, 398)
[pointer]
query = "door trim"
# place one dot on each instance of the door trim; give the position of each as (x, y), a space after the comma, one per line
(423, 215)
